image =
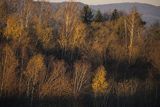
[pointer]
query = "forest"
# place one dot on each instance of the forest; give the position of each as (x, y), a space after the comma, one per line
(76, 57)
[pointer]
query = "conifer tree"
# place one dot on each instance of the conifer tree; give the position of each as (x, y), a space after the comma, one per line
(99, 83)
(87, 14)
(115, 15)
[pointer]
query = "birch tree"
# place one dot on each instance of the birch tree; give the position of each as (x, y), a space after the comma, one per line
(57, 82)
(8, 64)
(34, 74)
(81, 78)
(135, 25)
(69, 23)
(43, 24)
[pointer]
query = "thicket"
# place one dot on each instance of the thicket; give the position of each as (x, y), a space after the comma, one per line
(72, 52)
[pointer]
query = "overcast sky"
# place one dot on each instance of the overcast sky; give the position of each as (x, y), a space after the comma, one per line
(154, 2)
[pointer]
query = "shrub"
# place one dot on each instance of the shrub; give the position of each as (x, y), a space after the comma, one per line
(99, 83)
(81, 77)
(57, 83)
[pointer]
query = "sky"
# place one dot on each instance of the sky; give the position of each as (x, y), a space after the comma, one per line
(94, 2)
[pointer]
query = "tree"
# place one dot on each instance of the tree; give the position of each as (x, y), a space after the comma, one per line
(115, 15)
(14, 30)
(98, 42)
(44, 35)
(73, 31)
(106, 16)
(135, 28)
(35, 74)
(87, 14)
(8, 65)
(153, 45)
(99, 83)
(77, 39)
(3, 16)
(3, 9)
(18, 30)
(98, 17)
(68, 18)
(43, 24)
(80, 78)
(57, 83)
(154, 31)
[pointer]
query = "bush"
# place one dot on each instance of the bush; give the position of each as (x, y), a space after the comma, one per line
(99, 83)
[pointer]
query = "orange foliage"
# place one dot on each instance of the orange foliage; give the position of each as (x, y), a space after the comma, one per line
(14, 28)
(44, 34)
(36, 69)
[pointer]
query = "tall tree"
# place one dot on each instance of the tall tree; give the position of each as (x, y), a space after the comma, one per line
(3, 16)
(135, 27)
(80, 78)
(87, 14)
(35, 74)
(8, 64)
(115, 15)
(72, 30)
(3, 9)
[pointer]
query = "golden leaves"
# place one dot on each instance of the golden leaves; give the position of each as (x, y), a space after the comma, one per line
(14, 29)
(8, 75)
(44, 34)
(36, 68)
(76, 39)
(99, 83)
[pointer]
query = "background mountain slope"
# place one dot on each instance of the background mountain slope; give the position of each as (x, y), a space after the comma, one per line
(149, 13)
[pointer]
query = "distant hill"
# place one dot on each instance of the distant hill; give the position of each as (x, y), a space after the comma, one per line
(149, 13)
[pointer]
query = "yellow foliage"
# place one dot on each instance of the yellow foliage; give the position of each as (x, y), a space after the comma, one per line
(101, 39)
(99, 83)
(36, 68)
(14, 28)
(76, 39)
(44, 34)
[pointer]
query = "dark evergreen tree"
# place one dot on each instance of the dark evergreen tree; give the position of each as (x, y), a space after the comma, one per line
(115, 15)
(87, 14)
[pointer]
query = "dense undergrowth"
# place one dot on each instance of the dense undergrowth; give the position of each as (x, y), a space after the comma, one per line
(70, 57)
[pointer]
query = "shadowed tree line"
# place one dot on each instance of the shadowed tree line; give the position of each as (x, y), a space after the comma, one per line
(73, 56)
